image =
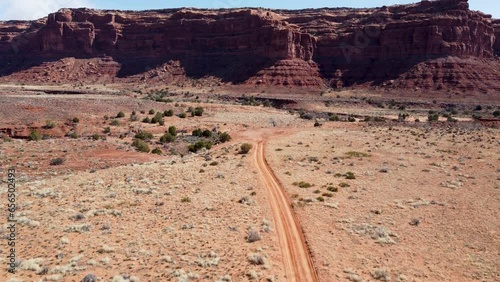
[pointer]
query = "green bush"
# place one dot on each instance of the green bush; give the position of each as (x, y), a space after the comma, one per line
(157, 151)
(152, 112)
(350, 175)
(186, 200)
(200, 145)
(334, 118)
(73, 135)
(496, 113)
(141, 146)
(57, 161)
(432, 117)
(96, 136)
(120, 115)
(169, 113)
(157, 118)
(206, 133)
(197, 132)
(107, 130)
(224, 137)
(172, 130)
(302, 184)
(182, 115)
(161, 122)
(115, 122)
(76, 120)
(144, 135)
(50, 124)
(167, 138)
(35, 136)
(146, 120)
(198, 111)
(245, 148)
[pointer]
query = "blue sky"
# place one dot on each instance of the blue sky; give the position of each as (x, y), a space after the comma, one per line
(34, 9)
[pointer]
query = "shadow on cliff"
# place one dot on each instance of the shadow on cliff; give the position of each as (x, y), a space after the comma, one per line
(230, 69)
(370, 72)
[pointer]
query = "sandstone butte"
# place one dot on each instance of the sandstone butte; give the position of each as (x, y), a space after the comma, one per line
(435, 45)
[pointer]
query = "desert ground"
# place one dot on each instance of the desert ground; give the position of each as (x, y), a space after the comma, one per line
(336, 186)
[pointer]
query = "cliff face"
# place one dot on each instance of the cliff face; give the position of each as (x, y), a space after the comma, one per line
(341, 46)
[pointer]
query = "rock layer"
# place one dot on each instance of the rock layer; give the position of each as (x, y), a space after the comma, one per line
(344, 47)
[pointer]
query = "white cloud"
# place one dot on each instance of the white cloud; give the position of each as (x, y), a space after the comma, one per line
(35, 9)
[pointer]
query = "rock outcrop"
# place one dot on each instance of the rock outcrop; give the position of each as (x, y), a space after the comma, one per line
(342, 47)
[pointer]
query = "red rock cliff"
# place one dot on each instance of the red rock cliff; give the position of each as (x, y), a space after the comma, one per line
(343, 46)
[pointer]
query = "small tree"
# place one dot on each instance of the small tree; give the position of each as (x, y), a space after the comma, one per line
(245, 148)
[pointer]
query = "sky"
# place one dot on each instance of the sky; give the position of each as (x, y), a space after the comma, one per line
(35, 9)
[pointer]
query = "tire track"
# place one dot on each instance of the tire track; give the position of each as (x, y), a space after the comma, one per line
(297, 261)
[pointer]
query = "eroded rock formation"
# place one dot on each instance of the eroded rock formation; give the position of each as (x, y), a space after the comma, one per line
(342, 47)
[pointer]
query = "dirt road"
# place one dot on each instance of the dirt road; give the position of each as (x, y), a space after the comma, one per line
(298, 265)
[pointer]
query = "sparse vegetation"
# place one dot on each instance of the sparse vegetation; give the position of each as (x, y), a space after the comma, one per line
(76, 120)
(35, 136)
(157, 151)
(50, 124)
(144, 135)
(245, 148)
(167, 138)
(57, 161)
(303, 184)
(120, 115)
(141, 146)
(200, 145)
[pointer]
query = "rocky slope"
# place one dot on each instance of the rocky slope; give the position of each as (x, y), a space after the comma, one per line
(342, 47)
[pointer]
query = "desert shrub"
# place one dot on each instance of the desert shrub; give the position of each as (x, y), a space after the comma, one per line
(302, 184)
(306, 116)
(496, 113)
(146, 120)
(134, 117)
(452, 119)
(152, 112)
(224, 137)
(317, 124)
(182, 115)
(57, 161)
(167, 138)
(172, 130)
(478, 108)
(214, 163)
(206, 133)
(433, 117)
(329, 195)
(351, 119)
(107, 129)
(157, 118)
(96, 136)
(186, 199)
(157, 151)
(35, 136)
(115, 122)
(256, 259)
(350, 175)
(198, 111)
(161, 122)
(76, 120)
(50, 124)
(120, 115)
(200, 145)
(73, 135)
(141, 146)
(332, 189)
(190, 110)
(354, 154)
(245, 148)
(320, 199)
(344, 185)
(143, 111)
(253, 236)
(197, 132)
(334, 118)
(144, 135)
(169, 113)
(6, 138)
